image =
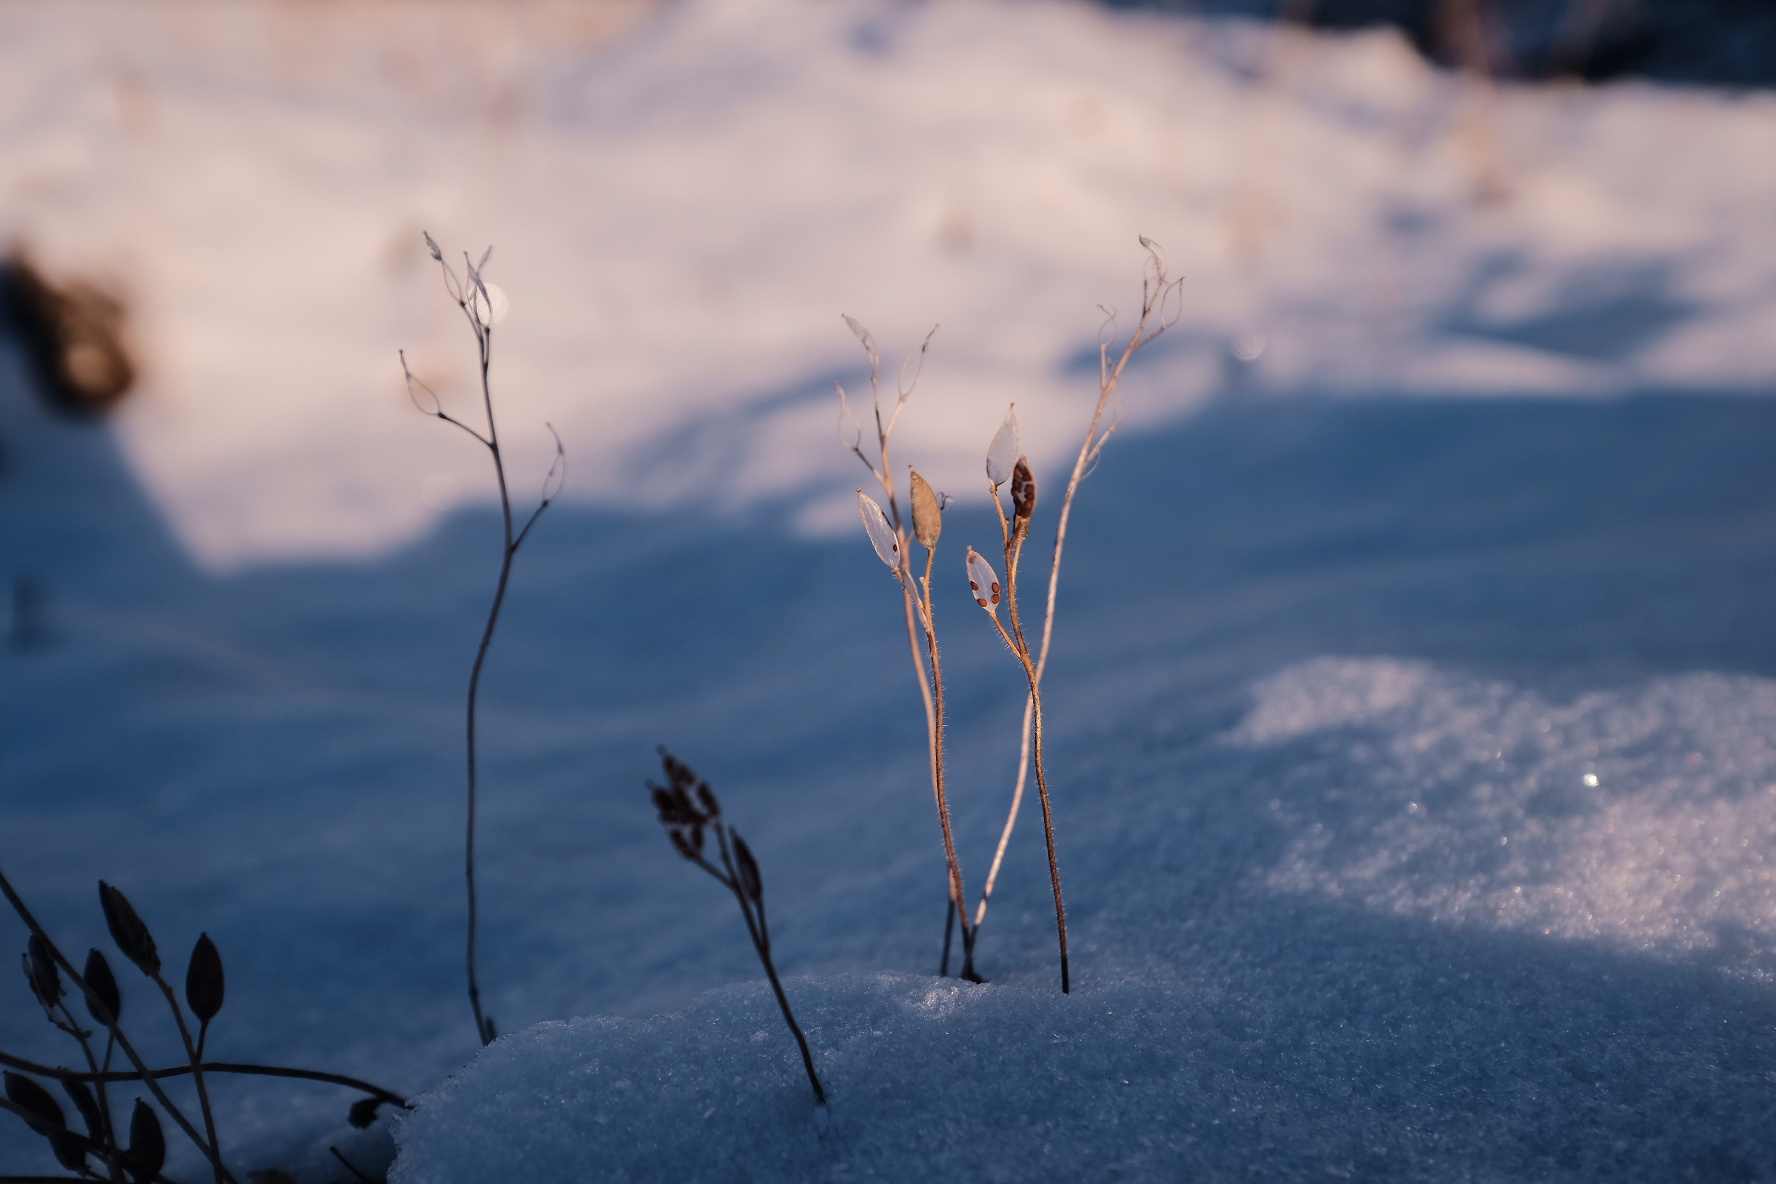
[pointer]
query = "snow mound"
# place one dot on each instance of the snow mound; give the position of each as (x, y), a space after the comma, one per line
(1398, 919)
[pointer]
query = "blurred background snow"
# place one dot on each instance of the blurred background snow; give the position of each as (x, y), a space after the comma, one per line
(1412, 693)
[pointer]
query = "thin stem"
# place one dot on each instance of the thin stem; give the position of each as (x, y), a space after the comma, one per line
(196, 1057)
(761, 944)
(1155, 292)
(129, 1050)
(106, 1076)
(1054, 870)
(938, 779)
(105, 1134)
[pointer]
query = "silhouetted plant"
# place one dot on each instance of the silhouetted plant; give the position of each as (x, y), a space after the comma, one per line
(688, 810)
(482, 305)
(141, 1157)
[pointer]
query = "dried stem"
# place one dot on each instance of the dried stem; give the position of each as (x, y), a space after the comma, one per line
(917, 610)
(1159, 311)
(686, 818)
(194, 1052)
(472, 297)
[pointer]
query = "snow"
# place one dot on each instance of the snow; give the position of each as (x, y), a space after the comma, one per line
(1414, 680)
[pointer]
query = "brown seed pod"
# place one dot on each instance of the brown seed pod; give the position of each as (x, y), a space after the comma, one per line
(26, 1094)
(927, 513)
(1023, 490)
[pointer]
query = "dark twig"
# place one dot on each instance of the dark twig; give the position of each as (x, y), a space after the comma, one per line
(688, 808)
(477, 304)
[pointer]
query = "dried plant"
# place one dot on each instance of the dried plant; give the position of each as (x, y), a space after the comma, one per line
(887, 533)
(482, 305)
(688, 809)
(1005, 465)
(102, 1153)
(1160, 308)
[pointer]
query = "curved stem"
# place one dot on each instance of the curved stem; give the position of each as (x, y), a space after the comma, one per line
(103, 1077)
(484, 335)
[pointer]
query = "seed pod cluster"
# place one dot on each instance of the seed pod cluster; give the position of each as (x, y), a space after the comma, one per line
(686, 805)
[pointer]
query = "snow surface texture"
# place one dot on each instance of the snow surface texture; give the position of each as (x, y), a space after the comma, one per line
(680, 216)
(1411, 761)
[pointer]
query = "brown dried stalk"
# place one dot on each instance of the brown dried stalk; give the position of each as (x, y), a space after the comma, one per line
(688, 808)
(888, 533)
(1159, 311)
(480, 309)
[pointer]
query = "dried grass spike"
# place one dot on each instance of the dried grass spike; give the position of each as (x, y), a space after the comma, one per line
(881, 535)
(1004, 449)
(983, 582)
(927, 512)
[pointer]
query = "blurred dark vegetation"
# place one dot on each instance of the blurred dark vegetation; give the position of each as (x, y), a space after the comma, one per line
(71, 335)
(1712, 42)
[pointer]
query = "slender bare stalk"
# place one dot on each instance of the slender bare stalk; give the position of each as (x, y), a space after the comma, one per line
(479, 308)
(1159, 310)
(193, 1050)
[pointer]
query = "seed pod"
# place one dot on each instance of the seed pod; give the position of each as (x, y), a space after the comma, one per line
(69, 1149)
(27, 1095)
(983, 582)
(98, 976)
(881, 535)
(1003, 450)
(432, 246)
(203, 980)
(40, 972)
(1023, 490)
(147, 1146)
(706, 799)
(83, 1101)
(363, 1112)
(927, 513)
(128, 931)
(683, 844)
(749, 871)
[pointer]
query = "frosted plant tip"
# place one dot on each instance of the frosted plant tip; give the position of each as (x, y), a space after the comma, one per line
(983, 582)
(881, 535)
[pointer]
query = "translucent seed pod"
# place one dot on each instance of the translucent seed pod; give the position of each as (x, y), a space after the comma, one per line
(1002, 453)
(881, 535)
(983, 582)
